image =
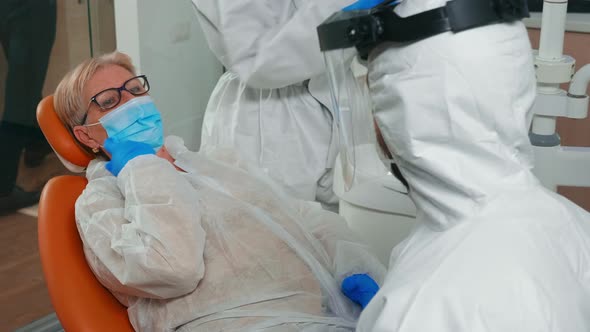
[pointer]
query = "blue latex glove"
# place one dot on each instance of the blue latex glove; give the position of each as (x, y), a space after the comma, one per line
(122, 152)
(360, 288)
(365, 4)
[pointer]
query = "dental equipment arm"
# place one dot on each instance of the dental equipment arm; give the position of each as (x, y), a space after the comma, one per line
(580, 82)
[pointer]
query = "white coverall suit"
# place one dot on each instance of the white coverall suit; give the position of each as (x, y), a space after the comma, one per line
(494, 251)
(219, 247)
(273, 105)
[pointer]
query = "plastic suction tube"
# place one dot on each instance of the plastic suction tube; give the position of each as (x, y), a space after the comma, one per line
(579, 84)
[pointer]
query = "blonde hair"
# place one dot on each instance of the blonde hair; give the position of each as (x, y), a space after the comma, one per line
(67, 99)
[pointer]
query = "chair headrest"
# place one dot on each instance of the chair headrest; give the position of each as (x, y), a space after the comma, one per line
(69, 151)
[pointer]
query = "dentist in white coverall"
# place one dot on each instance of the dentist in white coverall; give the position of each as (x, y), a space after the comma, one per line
(273, 103)
(494, 251)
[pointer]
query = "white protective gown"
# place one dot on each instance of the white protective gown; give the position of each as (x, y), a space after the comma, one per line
(216, 248)
(273, 104)
(493, 251)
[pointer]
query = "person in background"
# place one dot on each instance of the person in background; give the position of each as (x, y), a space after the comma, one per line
(27, 33)
(493, 250)
(273, 104)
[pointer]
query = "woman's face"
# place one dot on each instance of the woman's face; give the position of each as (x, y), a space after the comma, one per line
(109, 76)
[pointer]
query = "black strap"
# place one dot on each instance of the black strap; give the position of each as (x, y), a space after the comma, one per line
(413, 28)
(365, 29)
(467, 14)
(455, 16)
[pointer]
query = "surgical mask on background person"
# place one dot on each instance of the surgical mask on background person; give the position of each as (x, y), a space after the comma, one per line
(137, 120)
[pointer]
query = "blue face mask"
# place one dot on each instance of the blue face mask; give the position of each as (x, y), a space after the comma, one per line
(137, 120)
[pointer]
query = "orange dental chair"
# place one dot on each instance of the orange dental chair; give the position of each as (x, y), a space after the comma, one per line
(80, 301)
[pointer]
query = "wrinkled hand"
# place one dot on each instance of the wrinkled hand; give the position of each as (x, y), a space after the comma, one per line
(164, 154)
(360, 288)
(123, 151)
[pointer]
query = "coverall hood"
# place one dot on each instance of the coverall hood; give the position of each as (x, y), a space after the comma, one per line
(458, 129)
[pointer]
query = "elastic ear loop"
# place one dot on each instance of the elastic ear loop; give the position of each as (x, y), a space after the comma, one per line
(95, 150)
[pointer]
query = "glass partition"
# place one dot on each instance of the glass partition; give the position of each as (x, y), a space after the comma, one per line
(40, 41)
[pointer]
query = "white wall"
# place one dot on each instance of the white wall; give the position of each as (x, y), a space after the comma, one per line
(164, 38)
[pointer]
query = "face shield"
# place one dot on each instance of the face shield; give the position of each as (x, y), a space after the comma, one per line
(362, 160)
(358, 29)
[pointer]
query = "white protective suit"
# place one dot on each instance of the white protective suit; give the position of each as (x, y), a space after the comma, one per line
(216, 248)
(493, 250)
(273, 104)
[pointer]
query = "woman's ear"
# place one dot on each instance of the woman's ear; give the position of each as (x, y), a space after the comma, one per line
(81, 133)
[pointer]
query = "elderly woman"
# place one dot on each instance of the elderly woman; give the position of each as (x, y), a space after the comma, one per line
(195, 242)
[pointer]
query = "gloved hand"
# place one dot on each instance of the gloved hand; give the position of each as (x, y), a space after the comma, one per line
(364, 4)
(123, 151)
(360, 288)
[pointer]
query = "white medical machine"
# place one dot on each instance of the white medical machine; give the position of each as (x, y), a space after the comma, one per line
(557, 165)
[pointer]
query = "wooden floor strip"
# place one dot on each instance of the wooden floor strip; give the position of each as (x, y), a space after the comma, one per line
(23, 294)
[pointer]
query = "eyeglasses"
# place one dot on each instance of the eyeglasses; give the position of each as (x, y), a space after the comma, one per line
(110, 98)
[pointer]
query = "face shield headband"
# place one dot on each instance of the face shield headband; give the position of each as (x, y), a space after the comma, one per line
(365, 25)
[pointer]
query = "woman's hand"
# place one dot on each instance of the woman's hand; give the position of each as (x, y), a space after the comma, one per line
(164, 154)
